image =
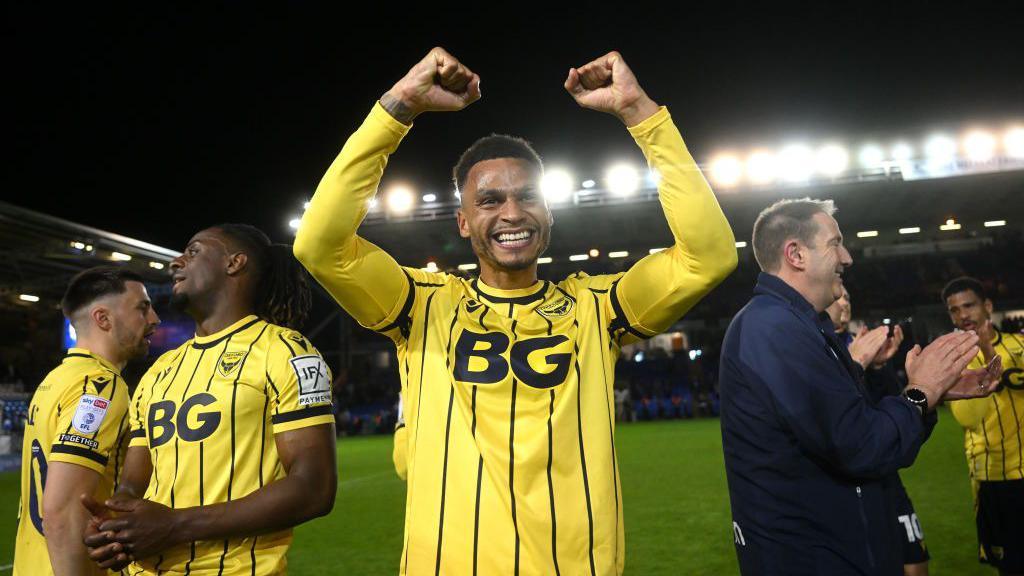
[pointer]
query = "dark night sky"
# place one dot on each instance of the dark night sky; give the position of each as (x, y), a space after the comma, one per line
(155, 124)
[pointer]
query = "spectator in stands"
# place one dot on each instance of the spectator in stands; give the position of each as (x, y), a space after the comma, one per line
(803, 444)
(993, 428)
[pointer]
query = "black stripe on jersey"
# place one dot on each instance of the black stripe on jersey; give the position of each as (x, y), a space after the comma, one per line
(289, 346)
(133, 434)
(479, 476)
(121, 440)
(419, 393)
(79, 451)
(451, 330)
(1017, 419)
(402, 321)
(300, 414)
(551, 486)
(234, 405)
(984, 433)
(482, 315)
(512, 451)
(1002, 436)
(202, 443)
(583, 455)
(538, 295)
(444, 477)
(620, 322)
(226, 336)
(174, 479)
(156, 452)
(611, 426)
(191, 557)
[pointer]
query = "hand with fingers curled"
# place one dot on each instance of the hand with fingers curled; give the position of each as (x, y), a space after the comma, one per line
(608, 85)
(437, 83)
(126, 528)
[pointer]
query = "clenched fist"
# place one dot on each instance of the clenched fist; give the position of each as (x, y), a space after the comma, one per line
(608, 85)
(438, 83)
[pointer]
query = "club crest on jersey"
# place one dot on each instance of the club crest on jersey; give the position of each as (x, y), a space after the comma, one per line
(229, 361)
(557, 309)
(89, 414)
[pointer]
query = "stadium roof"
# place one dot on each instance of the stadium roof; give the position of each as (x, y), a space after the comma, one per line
(41, 253)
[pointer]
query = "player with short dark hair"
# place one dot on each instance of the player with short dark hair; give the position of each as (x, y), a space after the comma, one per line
(507, 379)
(232, 434)
(993, 430)
(76, 434)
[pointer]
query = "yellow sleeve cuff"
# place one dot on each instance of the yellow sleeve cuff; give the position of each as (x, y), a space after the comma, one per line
(388, 122)
(649, 124)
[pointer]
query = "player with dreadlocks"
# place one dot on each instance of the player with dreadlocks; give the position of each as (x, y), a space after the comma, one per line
(232, 435)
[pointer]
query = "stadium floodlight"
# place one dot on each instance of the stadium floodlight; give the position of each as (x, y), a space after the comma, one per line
(588, 184)
(544, 260)
(761, 167)
(867, 234)
(431, 266)
(594, 253)
(157, 265)
(78, 245)
(618, 254)
(399, 199)
(579, 257)
(557, 185)
(726, 170)
(871, 156)
(979, 146)
(796, 162)
(911, 230)
(430, 197)
(88, 247)
(995, 223)
(622, 179)
(28, 297)
(294, 223)
(902, 152)
(1013, 143)
(655, 250)
(940, 150)
(831, 160)
(741, 244)
(467, 266)
(120, 257)
(949, 225)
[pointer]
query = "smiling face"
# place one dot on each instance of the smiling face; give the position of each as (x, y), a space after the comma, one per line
(827, 258)
(504, 214)
(200, 271)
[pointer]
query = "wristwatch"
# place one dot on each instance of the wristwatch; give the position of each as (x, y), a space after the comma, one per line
(918, 398)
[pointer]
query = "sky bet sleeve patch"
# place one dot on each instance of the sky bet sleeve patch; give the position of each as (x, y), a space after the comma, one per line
(314, 380)
(90, 413)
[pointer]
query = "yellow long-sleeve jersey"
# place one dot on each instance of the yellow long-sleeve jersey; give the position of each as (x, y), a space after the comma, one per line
(508, 397)
(994, 426)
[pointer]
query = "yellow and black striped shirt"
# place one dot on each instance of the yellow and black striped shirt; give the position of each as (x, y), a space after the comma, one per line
(78, 415)
(994, 426)
(508, 398)
(208, 411)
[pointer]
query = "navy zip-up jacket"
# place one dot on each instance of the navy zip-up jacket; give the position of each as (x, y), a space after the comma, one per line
(806, 452)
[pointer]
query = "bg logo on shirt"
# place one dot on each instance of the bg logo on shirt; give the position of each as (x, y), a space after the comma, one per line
(476, 350)
(90, 413)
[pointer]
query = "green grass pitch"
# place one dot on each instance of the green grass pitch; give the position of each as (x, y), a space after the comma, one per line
(674, 496)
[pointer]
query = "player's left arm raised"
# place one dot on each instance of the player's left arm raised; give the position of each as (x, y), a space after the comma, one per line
(660, 288)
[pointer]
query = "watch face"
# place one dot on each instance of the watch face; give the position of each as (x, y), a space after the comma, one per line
(916, 396)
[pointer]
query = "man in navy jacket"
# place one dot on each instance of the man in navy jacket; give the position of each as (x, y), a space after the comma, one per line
(805, 450)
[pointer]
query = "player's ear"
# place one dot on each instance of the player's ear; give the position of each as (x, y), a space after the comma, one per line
(236, 263)
(101, 317)
(463, 223)
(793, 254)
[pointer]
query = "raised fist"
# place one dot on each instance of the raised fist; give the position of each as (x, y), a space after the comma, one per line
(438, 82)
(608, 85)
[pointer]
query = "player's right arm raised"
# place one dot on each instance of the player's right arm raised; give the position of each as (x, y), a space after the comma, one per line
(365, 280)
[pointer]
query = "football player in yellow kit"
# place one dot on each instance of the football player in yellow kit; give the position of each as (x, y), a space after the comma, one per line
(507, 379)
(232, 435)
(76, 435)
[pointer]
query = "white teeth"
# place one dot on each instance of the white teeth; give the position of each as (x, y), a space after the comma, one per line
(513, 237)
